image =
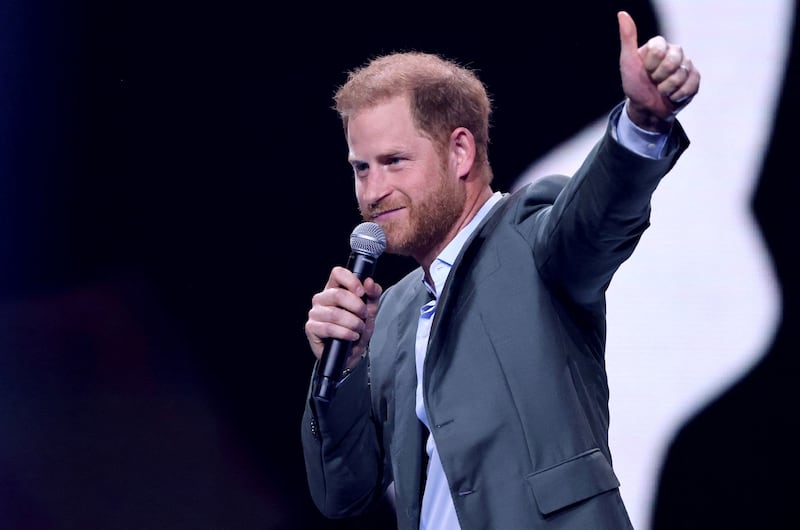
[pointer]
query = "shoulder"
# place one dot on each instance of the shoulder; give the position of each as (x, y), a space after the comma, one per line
(543, 189)
(538, 194)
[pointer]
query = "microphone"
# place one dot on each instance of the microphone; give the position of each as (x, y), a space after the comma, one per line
(367, 243)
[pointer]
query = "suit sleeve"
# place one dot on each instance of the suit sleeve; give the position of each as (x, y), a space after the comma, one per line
(597, 219)
(344, 462)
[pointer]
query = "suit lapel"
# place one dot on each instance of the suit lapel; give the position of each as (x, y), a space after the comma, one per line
(409, 432)
(456, 290)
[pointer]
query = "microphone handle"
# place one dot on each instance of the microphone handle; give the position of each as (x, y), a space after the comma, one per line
(336, 351)
(362, 265)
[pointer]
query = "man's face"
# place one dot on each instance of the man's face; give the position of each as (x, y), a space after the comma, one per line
(402, 181)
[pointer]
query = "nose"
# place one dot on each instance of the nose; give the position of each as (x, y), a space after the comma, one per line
(374, 187)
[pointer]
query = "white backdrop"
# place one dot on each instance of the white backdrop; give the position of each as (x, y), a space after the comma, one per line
(697, 304)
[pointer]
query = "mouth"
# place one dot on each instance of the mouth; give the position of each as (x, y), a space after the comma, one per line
(385, 215)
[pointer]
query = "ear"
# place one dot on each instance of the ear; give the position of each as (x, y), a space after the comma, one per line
(461, 152)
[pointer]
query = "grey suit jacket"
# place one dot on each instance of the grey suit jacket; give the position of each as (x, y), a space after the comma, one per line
(515, 381)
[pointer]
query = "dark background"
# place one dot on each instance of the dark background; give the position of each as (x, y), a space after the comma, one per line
(174, 188)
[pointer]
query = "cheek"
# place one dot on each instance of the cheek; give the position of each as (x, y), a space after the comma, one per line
(358, 190)
(363, 206)
(362, 202)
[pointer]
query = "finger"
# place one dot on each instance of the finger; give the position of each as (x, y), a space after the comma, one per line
(340, 298)
(334, 322)
(315, 341)
(670, 65)
(689, 87)
(308, 328)
(345, 278)
(669, 86)
(628, 38)
(373, 289)
(653, 53)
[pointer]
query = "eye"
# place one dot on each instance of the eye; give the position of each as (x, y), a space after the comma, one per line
(360, 168)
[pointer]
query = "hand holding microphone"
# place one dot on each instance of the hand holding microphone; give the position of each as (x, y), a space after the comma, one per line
(367, 243)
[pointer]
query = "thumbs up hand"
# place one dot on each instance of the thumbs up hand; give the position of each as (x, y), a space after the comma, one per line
(658, 79)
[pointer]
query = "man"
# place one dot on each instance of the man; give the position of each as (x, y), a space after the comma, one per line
(476, 384)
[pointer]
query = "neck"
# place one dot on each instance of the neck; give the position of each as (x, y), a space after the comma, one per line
(471, 207)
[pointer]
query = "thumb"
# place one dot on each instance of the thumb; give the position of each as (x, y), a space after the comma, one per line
(628, 38)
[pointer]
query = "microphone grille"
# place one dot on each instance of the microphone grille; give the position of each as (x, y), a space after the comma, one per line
(368, 238)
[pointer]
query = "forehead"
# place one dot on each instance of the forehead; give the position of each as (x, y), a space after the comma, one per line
(380, 126)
